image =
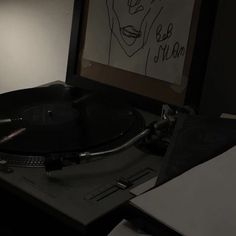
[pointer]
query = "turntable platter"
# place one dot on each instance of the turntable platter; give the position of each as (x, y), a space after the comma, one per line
(63, 119)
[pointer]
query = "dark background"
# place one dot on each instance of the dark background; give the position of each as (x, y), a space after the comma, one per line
(219, 92)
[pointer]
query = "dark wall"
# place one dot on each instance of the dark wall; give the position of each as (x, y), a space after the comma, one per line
(219, 93)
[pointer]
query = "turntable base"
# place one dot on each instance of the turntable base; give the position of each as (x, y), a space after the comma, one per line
(86, 198)
(83, 196)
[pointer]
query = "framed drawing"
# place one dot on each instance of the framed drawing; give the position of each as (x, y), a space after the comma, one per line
(145, 47)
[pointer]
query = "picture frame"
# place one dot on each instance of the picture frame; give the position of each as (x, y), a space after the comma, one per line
(136, 86)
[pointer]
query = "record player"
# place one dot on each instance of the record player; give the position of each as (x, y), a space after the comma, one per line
(72, 152)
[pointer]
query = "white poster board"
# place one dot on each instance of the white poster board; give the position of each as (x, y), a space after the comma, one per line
(200, 202)
(148, 37)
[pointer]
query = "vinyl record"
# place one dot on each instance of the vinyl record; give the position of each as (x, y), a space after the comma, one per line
(52, 119)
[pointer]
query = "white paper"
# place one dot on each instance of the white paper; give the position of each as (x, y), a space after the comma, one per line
(148, 37)
(126, 229)
(200, 202)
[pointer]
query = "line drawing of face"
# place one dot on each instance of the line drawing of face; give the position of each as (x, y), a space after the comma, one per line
(130, 22)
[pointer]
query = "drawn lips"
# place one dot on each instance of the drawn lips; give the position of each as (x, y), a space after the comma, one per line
(131, 32)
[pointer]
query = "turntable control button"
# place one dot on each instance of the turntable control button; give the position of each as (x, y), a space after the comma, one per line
(50, 113)
(4, 167)
(123, 183)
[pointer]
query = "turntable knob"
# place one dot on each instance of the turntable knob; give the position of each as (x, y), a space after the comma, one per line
(50, 113)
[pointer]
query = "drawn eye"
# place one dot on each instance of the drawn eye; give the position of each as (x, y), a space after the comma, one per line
(133, 3)
(135, 6)
(139, 8)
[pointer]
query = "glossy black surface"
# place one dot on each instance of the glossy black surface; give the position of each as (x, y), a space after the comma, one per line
(60, 119)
